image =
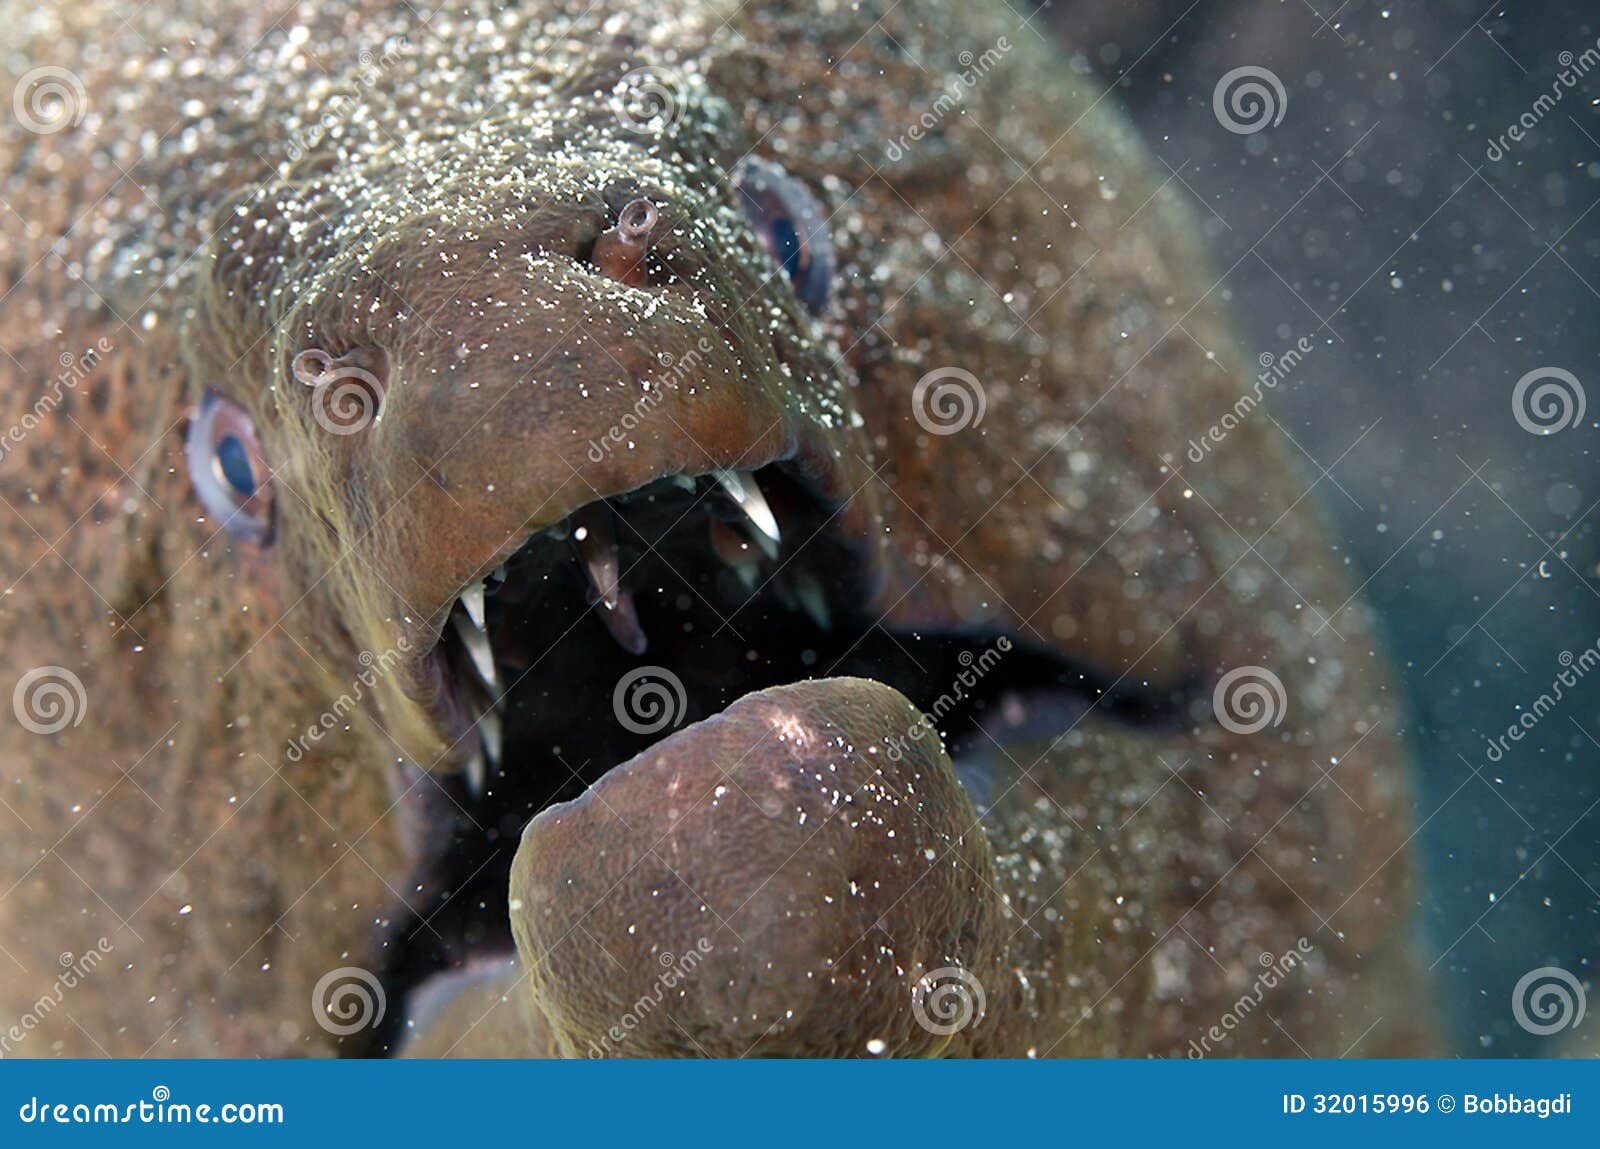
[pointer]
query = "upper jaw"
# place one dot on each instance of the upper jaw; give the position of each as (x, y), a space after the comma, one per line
(757, 520)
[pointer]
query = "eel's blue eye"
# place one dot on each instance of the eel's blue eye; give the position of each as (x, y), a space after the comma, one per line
(234, 463)
(790, 224)
(229, 469)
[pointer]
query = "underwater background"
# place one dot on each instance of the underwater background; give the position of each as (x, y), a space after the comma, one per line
(1436, 260)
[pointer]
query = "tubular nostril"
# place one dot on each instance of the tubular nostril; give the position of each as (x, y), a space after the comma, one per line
(620, 250)
(310, 366)
(348, 391)
(637, 220)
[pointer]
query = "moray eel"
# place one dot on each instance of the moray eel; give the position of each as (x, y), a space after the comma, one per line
(598, 529)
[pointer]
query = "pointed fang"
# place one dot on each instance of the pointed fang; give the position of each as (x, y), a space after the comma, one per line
(476, 640)
(490, 733)
(809, 591)
(748, 497)
(622, 621)
(476, 774)
(472, 599)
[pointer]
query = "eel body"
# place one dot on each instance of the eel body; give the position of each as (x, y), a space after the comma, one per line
(839, 365)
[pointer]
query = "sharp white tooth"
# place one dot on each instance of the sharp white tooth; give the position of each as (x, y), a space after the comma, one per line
(489, 731)
(734, 549)
(684, 481)
(476, 774)
(622, 620)
(749, 499)
(596, 543)
(476, 640)
(499, 574)
(809, 591)
(595, 538)
(472, 599)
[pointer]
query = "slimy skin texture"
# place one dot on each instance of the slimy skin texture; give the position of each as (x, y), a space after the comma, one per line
(249, 183)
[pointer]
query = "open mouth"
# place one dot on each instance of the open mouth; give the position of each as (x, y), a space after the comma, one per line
(639, 615)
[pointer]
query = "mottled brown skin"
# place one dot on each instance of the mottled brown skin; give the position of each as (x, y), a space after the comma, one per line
(1108, 908)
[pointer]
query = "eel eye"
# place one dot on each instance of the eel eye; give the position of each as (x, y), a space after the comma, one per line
(791, 225)
(229, 470)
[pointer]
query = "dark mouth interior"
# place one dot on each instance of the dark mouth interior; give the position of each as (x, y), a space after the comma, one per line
(725, 614)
